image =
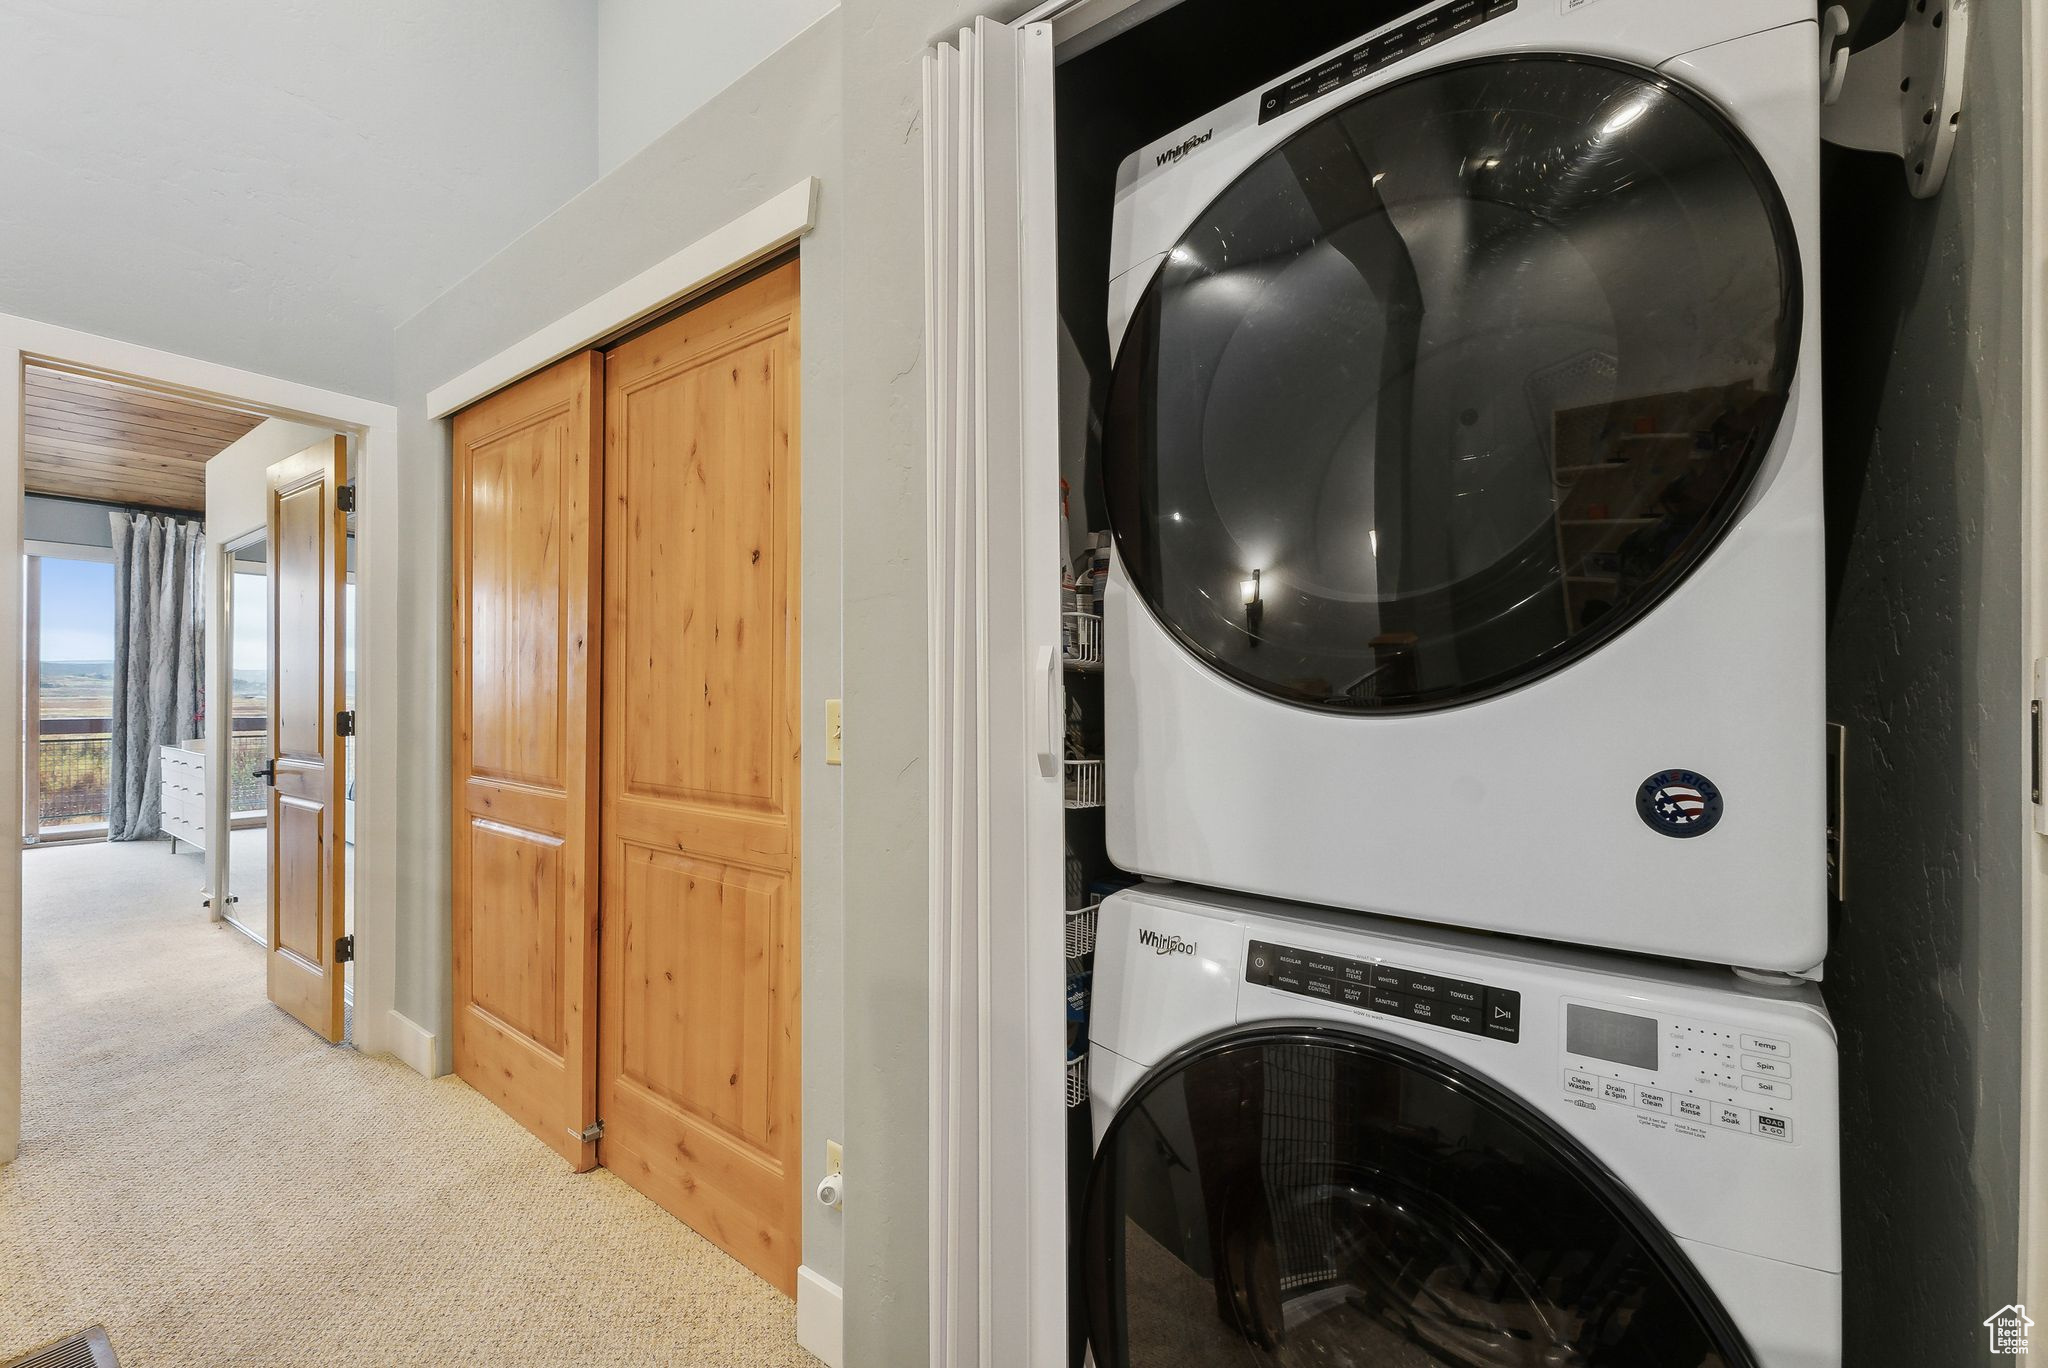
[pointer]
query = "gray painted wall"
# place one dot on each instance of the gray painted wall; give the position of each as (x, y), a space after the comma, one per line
(1926, 664)
(775, 127)
(65, 520)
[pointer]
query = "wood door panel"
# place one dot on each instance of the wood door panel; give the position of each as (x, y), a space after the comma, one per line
(302, 835)
(515, 603)
(700, 1052)
(299, 701)
(515, 956)
(701, 568)
(307, 890)
(528, 486)
(711, 935)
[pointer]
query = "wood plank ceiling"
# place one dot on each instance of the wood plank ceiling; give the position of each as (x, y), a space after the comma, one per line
(97, 439)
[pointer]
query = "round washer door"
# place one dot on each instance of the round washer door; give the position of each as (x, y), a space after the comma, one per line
(1453, 384)
(1301, 1196)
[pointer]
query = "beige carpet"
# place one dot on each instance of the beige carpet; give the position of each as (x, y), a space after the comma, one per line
(218, 1186)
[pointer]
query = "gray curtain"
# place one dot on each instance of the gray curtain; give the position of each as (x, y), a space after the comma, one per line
(159, 625)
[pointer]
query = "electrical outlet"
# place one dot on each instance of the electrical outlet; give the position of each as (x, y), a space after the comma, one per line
(835, 1157)
(831, 731)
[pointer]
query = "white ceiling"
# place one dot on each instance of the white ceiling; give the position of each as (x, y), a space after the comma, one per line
(277, 184)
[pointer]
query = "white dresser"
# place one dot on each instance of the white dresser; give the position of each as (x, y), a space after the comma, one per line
(184, 795)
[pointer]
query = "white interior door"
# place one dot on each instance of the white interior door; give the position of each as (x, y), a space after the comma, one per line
(999, 1290)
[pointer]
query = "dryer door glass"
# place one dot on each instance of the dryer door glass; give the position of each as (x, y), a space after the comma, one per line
(1299, 1196)
(1453, 383)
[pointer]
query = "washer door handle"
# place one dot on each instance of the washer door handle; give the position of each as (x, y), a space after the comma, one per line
(1050, 711)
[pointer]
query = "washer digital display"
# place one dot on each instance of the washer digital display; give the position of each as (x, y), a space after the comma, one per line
(1615, 1037)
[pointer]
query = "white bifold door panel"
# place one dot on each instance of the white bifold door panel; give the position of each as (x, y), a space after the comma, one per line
(998, 1195)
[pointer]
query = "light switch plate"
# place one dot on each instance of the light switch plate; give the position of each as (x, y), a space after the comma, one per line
(835, 1157)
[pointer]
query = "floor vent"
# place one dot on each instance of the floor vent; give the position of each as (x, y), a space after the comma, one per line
(86, 1349)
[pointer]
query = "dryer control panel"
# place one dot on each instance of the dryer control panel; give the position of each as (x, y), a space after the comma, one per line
(1389, 989)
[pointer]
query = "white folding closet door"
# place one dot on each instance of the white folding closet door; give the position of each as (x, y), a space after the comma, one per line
(999, 1187)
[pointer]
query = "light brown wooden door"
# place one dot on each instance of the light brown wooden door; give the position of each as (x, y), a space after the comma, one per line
(699, 1075)
(309, 564)
(528, 483)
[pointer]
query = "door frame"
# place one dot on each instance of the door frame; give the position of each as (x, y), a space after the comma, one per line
(373, 428)
(2033, 1214)
(220, 814)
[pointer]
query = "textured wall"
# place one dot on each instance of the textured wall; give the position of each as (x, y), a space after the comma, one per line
(657, 60)
(1925, 666)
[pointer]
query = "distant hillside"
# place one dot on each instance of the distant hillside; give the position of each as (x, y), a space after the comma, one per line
(78, 669)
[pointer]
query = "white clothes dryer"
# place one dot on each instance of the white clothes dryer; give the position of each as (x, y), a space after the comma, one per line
(1462, 451)
(1338, 1139)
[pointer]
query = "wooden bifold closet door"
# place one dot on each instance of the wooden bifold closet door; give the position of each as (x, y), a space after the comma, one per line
(666, 685)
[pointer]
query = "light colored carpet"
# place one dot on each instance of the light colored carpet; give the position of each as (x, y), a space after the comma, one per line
(218, 1186)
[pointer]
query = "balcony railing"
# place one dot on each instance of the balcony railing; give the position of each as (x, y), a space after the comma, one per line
(73, 755)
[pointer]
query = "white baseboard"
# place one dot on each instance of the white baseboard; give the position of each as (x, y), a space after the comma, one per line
(819, 1318)
(412, 1044)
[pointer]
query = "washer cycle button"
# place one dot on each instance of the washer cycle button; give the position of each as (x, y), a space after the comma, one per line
(1504, 1014)
(1764, 1045)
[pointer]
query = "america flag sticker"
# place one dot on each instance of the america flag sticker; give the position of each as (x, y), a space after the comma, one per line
(1679, 803)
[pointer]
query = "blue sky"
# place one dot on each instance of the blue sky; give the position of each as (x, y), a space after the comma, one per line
(78, 613)
(78, 610)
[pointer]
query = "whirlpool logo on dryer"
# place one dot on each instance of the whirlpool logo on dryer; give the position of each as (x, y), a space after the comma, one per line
(1174, 154)
(1160, 943)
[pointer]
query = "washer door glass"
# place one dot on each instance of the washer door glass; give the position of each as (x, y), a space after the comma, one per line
(1453, 383)
(1305, 1197)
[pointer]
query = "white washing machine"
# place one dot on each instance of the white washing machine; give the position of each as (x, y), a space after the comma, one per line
(1462, 452)
(1328, 1139)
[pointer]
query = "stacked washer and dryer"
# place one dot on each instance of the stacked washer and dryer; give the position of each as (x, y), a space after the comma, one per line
(1463, 709)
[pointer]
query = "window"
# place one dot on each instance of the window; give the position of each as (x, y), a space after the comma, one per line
(69, 647)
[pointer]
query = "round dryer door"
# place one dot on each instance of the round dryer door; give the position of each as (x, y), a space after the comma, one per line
(1452, 384)
(1310, 1197)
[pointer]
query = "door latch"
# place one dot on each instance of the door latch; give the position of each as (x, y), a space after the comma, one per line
(267, 772)
(590, 1134)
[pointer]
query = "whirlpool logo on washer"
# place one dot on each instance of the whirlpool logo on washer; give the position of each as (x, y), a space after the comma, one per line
(1175, 153)
(1679, 803)
(1160, 943)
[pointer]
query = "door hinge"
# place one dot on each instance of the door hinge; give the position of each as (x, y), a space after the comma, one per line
(590, 1134)
(345, 949)
(2039, 691)
(345, 722)
(345, 498)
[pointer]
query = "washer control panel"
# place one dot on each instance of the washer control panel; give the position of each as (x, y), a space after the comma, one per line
(1389, 989)
(1698, 1076)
